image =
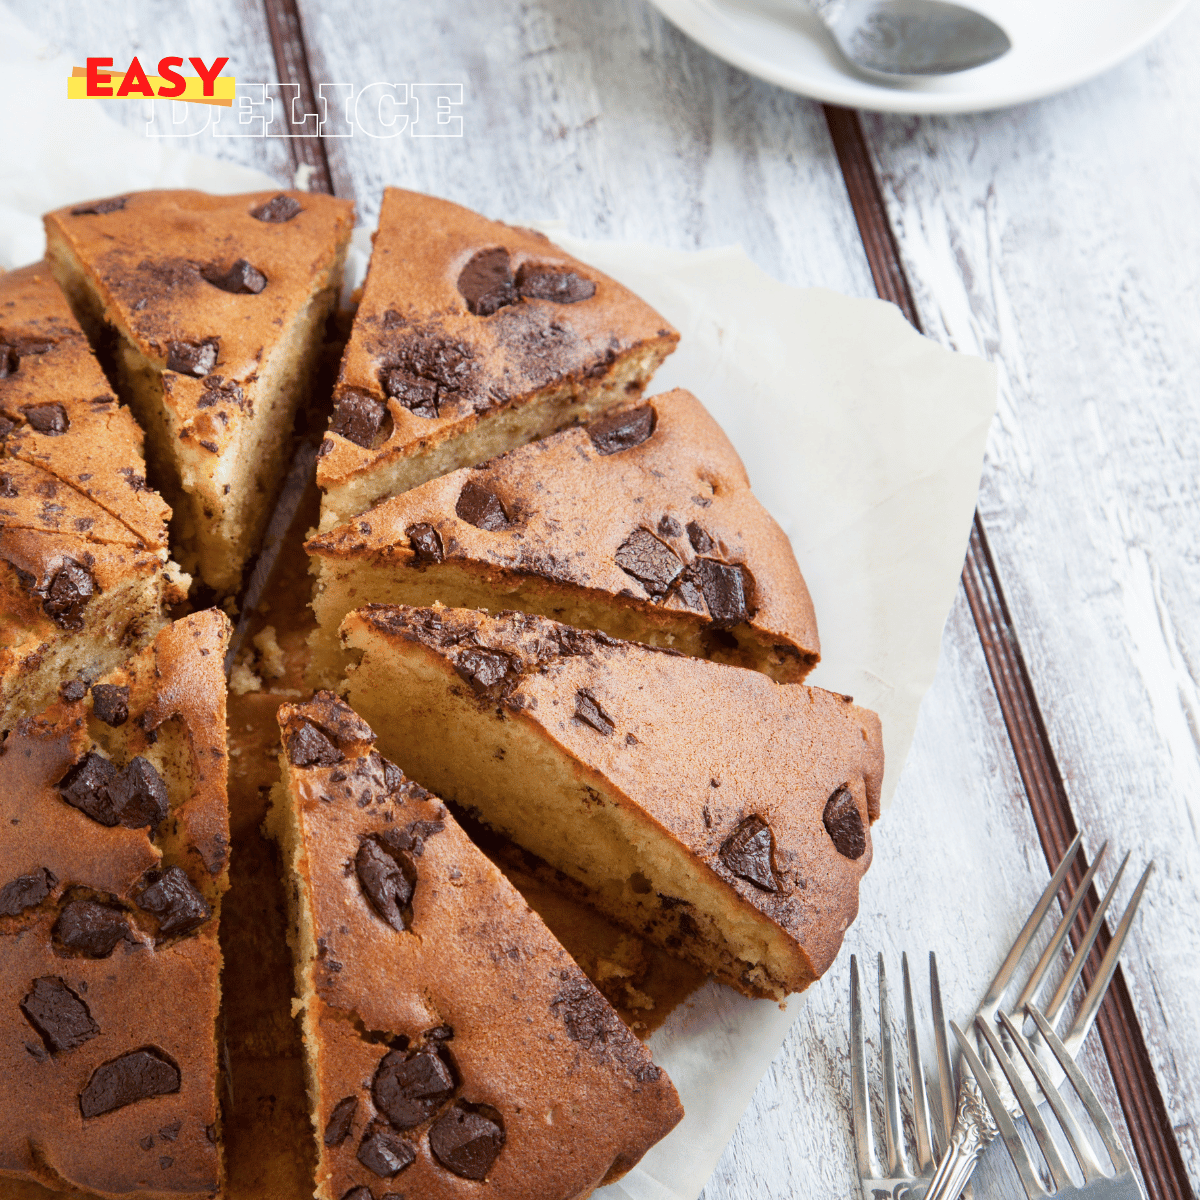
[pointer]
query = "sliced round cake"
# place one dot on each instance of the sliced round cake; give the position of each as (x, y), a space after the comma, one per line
(451, 1041)
(114, 847)
(717, 813)
(472, 337)
(210, 312)
(642, 525)
(84, 570)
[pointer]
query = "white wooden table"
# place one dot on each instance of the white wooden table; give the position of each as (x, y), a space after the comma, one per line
(1060, 241)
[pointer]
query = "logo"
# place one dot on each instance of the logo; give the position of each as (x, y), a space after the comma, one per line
(97, 81)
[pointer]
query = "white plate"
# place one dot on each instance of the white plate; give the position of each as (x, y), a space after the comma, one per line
(1056, 45)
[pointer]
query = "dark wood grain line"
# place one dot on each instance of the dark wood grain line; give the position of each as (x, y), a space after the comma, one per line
(291, 61)
(1120, 1033)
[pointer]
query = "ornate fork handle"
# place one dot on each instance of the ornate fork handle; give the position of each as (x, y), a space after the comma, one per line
(974, 1130)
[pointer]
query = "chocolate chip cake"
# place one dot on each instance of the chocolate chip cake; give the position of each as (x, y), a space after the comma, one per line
(84, 571)
(642, 525)
(451, 1040)
(210, 312)
(719, 814)
(472, 337)
(114, 842)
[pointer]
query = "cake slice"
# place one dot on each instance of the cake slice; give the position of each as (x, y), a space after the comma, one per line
(84, 572)
(209, 312)
(472, 337)
(114, 840)
(642, 525)
(451, 1041)
(721, 815)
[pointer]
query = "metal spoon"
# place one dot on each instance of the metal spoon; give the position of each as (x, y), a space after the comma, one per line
(896, 38)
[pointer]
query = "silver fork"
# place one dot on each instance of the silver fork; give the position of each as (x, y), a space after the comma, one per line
(973, 1131)
(900, 1177)
(1121, 1185)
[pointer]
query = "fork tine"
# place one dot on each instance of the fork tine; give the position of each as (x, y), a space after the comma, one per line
(945, 1069)
(1083, 1090)
(1008, 1130)
(996, 989)
(1085, 948)
(893, 1126)
(1029, 1106)
(1060, 935)
(1079, 1145)
(864, 1138)
(917, 1071)
(1108, 964)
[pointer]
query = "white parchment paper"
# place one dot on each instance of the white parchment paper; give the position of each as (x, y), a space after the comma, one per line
(864, 439)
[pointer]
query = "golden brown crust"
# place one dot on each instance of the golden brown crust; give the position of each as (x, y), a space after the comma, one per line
(153, 991)
(475, 971)
(147, 262)
(694, 749)
(573, 514)
(73, 496)
(98, 456)
(213, 319)
(413, 317)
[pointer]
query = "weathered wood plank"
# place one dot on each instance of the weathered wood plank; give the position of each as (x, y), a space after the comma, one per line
(1059, 239)
(603, 116)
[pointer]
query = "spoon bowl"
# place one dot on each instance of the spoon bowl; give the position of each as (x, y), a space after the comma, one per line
(894, 39)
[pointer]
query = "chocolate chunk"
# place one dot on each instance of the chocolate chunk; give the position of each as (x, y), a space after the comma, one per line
(50, 419)
(412, 838)
(110, 702)
(173, 899)
(728, 590)
(747, 853)
(426, 543)
(139, 795)
(419, 396)
(309, 747)
(486, 282)
(553, 283)
(652, 563)
(169, 1133)
(26, 891)
(384, 1152)
(277, 210)
(483, 669)
(86, 787)
(10, 360)
(467, 1140)
(8, 489)
(669, 527)
(92, 929)
(135, 1076)
(100, 207)
(481, 507)
(340, 1121)
(364, 1193)
(388, 882)
(166, 1161)
(73, 690)
(6, 427)
(241, 279)
(698, 536)
(409, 1088)
(844, 824)
(192, 358)
(588, 710)
(68, 594)
(358, 417)
(58, 1014)
(622, 430)
(147, 1143)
